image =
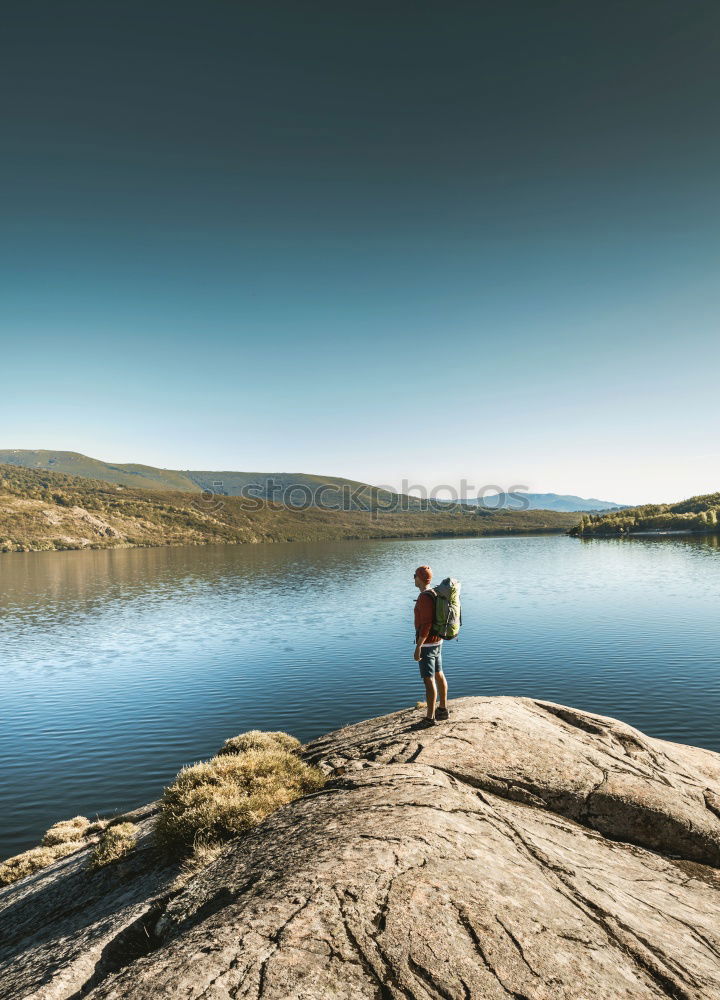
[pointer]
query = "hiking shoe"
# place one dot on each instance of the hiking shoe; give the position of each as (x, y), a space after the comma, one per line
(425, 723)
(441, 714)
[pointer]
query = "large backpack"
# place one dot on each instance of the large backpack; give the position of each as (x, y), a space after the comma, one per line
(448, 613)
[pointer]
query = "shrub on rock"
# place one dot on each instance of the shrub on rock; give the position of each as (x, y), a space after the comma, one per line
(257, 740)
(116, 842)
(97, 827)
(33, 860)
(66, 831)
(220, 798)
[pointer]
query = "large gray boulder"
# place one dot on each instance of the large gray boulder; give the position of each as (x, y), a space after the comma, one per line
(521, 850)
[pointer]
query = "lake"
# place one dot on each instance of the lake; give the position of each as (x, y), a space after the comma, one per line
(119, 667)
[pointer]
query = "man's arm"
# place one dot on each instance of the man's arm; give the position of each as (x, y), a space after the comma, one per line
(421, 639)
(425, 615)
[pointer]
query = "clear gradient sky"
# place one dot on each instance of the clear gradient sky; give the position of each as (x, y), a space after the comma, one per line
(390, 240)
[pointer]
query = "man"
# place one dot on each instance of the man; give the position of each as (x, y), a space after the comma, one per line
(428, 649)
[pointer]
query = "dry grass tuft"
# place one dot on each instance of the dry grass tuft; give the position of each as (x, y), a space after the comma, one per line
(62, 838)
(116, 842)
(217, 799)
(420, 704)
(97, 827)
(202, 856)
(257, 740)
(66, 831)
(33, 860)
(116, 820)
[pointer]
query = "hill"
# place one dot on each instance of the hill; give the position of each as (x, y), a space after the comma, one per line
(72, 463)
(296, 488)
(697, 515)
(42, 510)
(289, 487)
(300, 489)
(545, 501)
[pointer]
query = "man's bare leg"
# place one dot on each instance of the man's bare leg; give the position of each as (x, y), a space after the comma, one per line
(441, 711)
(441, 688)
(430, 695)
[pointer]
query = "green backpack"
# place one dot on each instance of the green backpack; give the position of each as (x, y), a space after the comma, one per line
(448, 613)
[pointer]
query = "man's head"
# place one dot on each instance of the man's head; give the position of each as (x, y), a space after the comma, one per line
(423, 576)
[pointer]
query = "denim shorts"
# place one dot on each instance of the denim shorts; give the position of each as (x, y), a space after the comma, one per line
(430, 660)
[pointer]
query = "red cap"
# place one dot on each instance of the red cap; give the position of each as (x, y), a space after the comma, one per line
(425, 573)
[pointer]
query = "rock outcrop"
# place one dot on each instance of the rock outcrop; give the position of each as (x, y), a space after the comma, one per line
(521, 850)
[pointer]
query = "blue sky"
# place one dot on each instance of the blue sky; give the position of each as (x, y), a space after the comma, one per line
(379, 242)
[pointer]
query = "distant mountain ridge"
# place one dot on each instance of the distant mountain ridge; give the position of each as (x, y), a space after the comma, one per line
(268, 485)
(546, 501)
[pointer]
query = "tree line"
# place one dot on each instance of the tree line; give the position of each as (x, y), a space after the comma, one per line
(698, 514)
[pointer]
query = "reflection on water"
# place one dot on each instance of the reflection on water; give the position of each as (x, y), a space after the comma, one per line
(121, 666)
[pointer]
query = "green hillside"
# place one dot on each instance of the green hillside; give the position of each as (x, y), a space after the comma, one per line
(72, 463)
(41, 510)
(297, 488)
(293, 487)
(288, 488)
(698, 514)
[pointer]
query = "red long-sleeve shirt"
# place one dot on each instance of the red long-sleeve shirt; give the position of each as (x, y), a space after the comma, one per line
(424, 614)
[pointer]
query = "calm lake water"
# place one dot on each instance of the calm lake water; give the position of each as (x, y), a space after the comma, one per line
(120, 667)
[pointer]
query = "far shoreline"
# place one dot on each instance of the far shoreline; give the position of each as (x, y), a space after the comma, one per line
(436, 536)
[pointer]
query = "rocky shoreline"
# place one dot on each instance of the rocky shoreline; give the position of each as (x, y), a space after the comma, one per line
(522, 849)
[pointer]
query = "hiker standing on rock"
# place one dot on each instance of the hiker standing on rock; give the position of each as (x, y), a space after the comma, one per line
(428, 648)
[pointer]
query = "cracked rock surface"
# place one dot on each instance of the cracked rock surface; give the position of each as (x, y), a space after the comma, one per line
(521, 850)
